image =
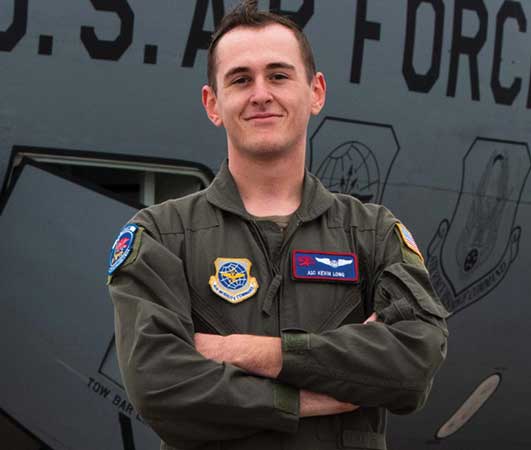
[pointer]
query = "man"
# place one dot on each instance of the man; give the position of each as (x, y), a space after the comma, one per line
(266, 312)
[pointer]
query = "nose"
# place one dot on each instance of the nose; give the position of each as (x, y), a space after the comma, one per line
(261, 94)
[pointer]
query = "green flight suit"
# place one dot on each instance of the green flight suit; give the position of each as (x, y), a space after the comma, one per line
(162, 296)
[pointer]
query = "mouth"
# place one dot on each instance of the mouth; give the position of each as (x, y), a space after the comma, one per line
(263, 117)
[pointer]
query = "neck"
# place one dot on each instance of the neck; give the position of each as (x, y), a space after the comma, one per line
(269, 186)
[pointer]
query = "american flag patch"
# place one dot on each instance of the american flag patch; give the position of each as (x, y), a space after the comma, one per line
(408, 240)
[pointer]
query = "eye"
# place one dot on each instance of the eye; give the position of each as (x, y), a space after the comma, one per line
(279, 76)
(240, 80)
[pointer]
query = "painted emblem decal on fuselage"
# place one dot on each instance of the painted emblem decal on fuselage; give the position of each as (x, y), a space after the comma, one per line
(353, 157)
(324, 266)
(232, 281)
(472, 252)
(122, 247)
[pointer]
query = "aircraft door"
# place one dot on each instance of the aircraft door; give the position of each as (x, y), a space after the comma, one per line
(60, 381)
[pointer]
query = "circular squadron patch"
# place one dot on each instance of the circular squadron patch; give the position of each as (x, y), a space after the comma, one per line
(233, 281)
(122, 247)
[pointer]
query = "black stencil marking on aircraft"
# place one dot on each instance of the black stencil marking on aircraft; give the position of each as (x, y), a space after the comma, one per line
(359, 167)
(127, 432)
(365, 30)
(150, 54)
(111, 50)
(199, 38)
(45, 45)
(423, 82)
(109, 365)
(471, 253)
(17, 28)
(470, 46)
(301, 17)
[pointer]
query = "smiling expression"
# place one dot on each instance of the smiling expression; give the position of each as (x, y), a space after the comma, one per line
(263, 99)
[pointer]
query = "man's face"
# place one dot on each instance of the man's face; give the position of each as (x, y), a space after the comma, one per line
(263, 98)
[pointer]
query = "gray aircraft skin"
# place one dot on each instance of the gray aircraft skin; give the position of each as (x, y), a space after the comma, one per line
(428, 112)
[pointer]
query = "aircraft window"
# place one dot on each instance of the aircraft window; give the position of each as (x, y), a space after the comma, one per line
(137, 182)
(470, 407)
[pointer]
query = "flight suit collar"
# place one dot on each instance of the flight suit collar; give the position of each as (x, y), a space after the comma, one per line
(224, 194)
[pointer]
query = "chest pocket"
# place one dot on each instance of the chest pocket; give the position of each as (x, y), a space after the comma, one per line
(228, 281)
(324, 304)
(317, 307)
(349, 310)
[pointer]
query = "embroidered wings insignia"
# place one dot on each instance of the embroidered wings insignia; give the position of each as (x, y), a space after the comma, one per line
(333, 263)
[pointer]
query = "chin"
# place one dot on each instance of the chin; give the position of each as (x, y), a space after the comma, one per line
(267, 150)
(266, 145)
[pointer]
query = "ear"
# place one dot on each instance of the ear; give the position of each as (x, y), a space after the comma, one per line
(210, 103)
(318, 93)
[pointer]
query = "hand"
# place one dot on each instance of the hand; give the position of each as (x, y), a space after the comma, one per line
(314, 404)
(372, 318)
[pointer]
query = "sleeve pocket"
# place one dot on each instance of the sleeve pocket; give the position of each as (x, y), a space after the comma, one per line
(398, 310)
(412, 282)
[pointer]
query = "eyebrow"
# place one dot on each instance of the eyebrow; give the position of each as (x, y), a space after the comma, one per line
(281, 65)
(243, 69)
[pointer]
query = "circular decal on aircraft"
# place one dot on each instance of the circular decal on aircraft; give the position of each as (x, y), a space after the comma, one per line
(351, 168)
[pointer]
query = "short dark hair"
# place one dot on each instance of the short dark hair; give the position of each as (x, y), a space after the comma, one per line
(246, 14)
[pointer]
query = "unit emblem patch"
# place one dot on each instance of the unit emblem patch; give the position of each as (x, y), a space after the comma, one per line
(122, 247)
(408, 240)
(233, 281)
(324, 266)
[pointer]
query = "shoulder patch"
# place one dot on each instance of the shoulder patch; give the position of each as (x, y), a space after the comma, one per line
(408, 240)
(125, 247)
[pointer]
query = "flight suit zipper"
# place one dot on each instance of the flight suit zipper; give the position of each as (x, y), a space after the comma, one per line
(255, 230)
(285, 259)
(273, 269)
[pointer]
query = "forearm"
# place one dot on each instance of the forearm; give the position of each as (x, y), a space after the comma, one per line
(259, 355)
(262, 355)
(376, 365)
